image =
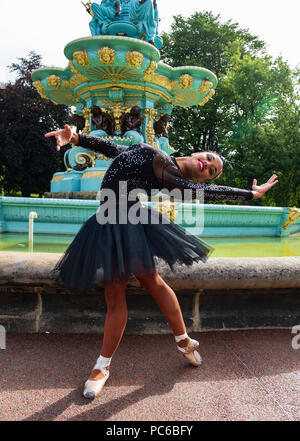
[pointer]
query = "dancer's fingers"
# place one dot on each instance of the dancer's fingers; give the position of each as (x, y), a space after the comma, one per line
(272, 178)
(68, 129)
(49, 134)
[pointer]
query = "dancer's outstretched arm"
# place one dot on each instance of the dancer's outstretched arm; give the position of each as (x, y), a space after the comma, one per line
(100, 145)
(171, 178)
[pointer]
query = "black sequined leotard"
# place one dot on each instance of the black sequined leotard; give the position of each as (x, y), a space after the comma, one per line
(148, 168)
(112, 251)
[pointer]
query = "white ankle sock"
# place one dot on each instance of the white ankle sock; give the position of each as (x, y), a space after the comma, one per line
(102, 364)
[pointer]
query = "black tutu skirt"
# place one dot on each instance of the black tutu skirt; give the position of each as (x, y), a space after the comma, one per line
(114, 252)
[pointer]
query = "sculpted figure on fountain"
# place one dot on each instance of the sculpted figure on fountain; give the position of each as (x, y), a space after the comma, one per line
(103, 14)
(142, 13)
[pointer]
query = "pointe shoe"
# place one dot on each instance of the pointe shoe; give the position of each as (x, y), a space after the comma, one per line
(94, 385)
(190, 354)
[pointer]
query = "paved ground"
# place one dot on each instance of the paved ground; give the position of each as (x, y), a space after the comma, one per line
(246, 375)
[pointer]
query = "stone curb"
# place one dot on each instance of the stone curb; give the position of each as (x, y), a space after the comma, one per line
(223, 294)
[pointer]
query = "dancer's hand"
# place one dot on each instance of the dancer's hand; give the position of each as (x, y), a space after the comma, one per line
(259, 190)
(63, 137)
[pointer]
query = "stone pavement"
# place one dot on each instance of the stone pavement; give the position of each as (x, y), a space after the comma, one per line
(246, 375)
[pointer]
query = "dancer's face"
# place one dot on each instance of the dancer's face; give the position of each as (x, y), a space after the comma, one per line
(204, 166)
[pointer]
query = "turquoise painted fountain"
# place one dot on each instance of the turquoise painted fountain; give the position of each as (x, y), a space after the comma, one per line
(123, 92)
(119, 87)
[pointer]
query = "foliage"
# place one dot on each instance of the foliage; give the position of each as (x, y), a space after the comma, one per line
(253, 119)
(27, 159)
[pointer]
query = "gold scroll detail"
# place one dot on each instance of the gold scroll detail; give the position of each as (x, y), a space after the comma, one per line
(41, 90)
(160, 80)
(150, 133)
(294, 213)
(186, 81)
(81, 58)
(75, 81)
(87, 113)
(152, 67)
(207, 97)
(73, 68)
(106, 55)
(80, 158)
(205, 86)
(134, 59)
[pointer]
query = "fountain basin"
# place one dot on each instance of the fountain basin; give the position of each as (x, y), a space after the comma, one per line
(62, 216)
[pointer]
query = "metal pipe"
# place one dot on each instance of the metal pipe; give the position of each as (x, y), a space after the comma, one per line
(32, 215)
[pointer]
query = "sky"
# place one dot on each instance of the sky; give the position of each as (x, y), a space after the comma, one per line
(46, 27)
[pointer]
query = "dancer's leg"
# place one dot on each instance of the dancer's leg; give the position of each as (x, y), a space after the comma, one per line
(166, 300)
(115, 323)
(116, 318)
(168, 303)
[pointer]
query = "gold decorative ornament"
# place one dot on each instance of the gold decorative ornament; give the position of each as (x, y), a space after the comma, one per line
(205, 86)
(167, 209)
(106, 55)
(152, 67)
(294, 213)
(75, 81)
(186, 81)
(111, 73)
(41, 90)
(175, 86)
(93, 174)
(117, 111)
(58, 178)
(150, 133)
(134, 59)
(87, 113)
(81, 58)
(143, 89)
(186, 97)
(81, 158)
(73, 68)
(159, 80)
(54, 81)
(207, 97)
(61, 96)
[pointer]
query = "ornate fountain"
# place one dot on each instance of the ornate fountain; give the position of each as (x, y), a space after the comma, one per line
(120, 89)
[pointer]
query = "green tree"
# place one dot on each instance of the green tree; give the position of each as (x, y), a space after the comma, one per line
(27, 160)
(253, 119)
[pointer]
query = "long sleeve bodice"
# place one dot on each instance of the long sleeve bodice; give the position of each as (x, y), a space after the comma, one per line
(149, 169)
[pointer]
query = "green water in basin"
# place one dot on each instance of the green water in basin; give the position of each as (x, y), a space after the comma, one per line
(224, 247)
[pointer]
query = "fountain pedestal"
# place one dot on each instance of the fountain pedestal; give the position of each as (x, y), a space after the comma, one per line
(116, 74)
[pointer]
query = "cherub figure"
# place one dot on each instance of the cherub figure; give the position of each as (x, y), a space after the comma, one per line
(161, 127)
(132, 121)
(102, 121)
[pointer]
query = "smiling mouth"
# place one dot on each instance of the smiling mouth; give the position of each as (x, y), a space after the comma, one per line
(201, 164)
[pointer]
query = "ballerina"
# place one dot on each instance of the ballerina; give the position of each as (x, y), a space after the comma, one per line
(115, 251)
